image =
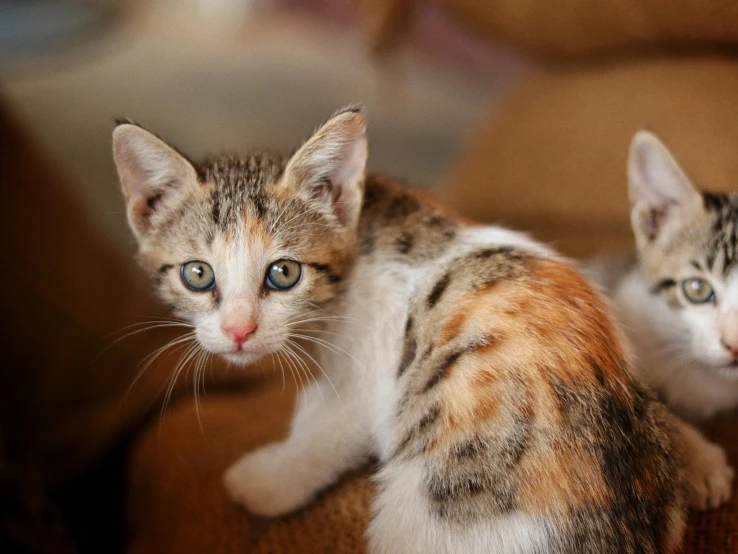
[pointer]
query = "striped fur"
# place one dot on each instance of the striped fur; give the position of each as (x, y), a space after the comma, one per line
(687, 350)
(481, 369)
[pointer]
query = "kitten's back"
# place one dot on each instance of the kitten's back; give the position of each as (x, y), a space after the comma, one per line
(517, 400)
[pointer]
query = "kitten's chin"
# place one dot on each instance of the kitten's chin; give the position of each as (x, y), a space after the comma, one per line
(242, 357)
(729, 371)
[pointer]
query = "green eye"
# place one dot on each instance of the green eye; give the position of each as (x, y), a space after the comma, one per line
(198, 276)
(283, 274)
(698, 290)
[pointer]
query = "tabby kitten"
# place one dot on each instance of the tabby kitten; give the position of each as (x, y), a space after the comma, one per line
(481, 369)
(678, 301)
(681, 298)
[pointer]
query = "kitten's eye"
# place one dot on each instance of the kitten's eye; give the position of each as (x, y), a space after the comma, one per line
(283, 274)
(698, 291)
(198, 275)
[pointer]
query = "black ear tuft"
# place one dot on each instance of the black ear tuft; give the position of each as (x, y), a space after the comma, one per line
(124, 121)
(351, 108)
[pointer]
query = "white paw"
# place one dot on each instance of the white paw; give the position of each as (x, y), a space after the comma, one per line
(263, 484)
(711, 477)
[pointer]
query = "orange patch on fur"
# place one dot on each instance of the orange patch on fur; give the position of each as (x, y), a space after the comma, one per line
(452, 327)
(564, 478)
(256, 231)
(228, 237)
(485, 407)
(552, 317)
(570, 312)
(484, 379)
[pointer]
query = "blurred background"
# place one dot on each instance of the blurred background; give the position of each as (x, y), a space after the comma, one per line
(228, 75)
(514, 111)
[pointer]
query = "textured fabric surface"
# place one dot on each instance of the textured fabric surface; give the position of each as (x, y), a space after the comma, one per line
(552, 158)
(177, 500)
(575, 30)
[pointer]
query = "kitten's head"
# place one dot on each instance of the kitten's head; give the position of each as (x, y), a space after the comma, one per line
(687, 242)
(246, 249)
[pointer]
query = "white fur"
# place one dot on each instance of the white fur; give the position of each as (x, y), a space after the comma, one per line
(347, 416)
(710, 475)
(678, 352)
(403, 524)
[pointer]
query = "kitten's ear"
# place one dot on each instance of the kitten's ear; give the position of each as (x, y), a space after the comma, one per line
(152, 174)
(332, 162)
(662, 198)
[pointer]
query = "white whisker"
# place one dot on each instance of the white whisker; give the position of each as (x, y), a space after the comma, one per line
(311, 209)
(329, 345)
(276, 221)
(304, 351)
(309, 330)
(303, 367)
(290, 366)
(183, 360)
(281, 369)
(150, 327)
(148, 360)
(293, 367)
(196, 384)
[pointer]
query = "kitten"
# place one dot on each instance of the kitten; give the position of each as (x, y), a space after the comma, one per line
(479, 367)
(678, 302)
(681, 299)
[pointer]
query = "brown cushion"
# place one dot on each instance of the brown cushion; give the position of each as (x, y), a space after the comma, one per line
(177, 502)
(552, 158)
(577, 29)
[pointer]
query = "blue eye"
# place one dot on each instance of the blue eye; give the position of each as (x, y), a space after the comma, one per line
(198, 276)
(283, 274)
(698, 291)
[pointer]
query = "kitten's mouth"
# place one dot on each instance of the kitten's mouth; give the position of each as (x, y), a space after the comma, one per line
(729, 370)
(244, 354)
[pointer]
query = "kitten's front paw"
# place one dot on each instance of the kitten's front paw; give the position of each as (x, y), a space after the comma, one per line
(260, 482)
(711, 477)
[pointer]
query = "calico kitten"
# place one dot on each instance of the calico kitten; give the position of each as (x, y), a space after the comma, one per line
(481, 369)
(678, 302)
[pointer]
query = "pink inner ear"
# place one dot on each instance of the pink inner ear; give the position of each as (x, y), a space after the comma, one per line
(353, 159)
(651, 221)
(346, 177)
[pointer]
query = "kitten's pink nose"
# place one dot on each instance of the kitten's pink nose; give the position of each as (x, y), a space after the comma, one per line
(240, 334)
